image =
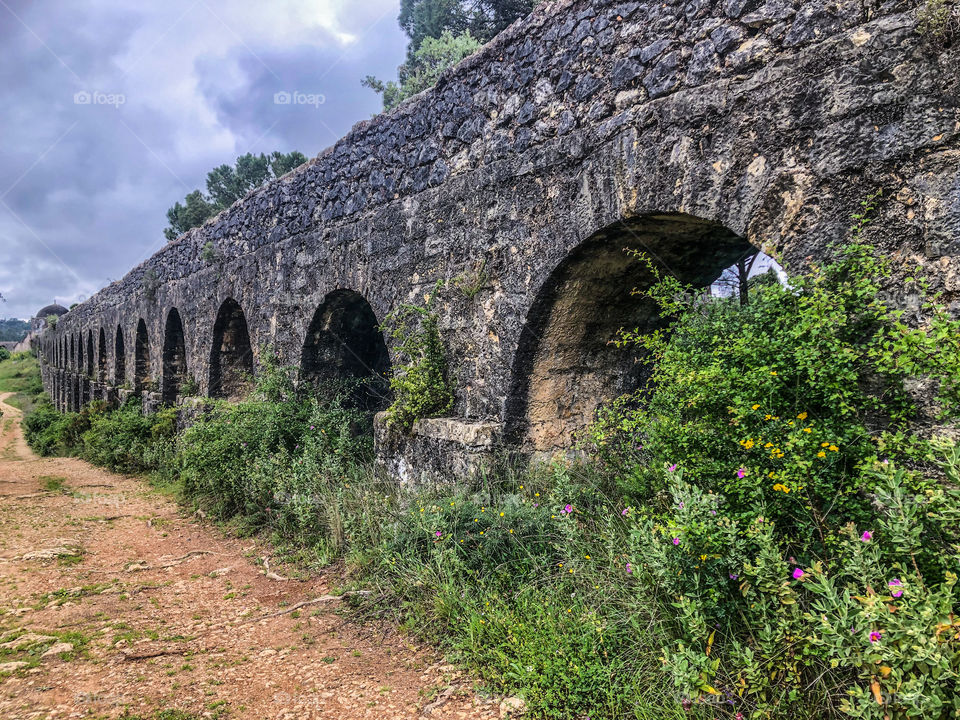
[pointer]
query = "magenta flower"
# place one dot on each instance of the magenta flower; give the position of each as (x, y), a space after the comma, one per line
(629, 569)
(741, 472)
(896, 584)
(672, 468)
(875, 636)
(676, 541)
(438, 533)
(625, 512)
(734, 576)
(867, 536)
(568, 508)
(797, 574)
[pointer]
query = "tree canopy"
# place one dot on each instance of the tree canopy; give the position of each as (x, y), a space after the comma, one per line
(13, 330)
(442, 33)
(225, 185)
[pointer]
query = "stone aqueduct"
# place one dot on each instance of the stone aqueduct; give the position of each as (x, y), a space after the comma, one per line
(690, 130)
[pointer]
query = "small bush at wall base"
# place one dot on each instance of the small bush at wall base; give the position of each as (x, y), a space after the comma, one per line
(420, 383)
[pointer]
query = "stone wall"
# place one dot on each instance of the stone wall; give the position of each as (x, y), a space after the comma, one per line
(690, 130)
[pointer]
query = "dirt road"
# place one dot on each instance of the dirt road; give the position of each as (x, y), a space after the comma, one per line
(114, 604)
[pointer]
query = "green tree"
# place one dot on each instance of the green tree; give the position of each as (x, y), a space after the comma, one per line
(429, 61)
(442, 33)
(226, 185)
(13, 330)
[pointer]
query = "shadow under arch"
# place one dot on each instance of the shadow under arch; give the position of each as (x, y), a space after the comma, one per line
(141, 358)
(231, 357)
(119, 359)
(344, 342)
(565, 366)
(174, 357)
(102, 356)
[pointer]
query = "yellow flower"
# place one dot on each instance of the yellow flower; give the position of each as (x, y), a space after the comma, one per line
(771, 474)
(773, 372)
(476, 520)
(754, 407)
(511, 532)
(802, 416)
(767, 417)
(521, 487)
(768, 445)
(587, 557)
(821, 454)
(501, 514)
(808, 430)
(834, 448)
(824, 444)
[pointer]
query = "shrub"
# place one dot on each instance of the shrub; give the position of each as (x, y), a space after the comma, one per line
(4, 354)
(419, 383)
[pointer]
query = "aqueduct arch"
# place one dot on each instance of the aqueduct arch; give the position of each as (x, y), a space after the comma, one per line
(509, 185)
(142, 378)
(344, 342)
(231, 357)
(119, 359)
(565, 365)
(174, 358)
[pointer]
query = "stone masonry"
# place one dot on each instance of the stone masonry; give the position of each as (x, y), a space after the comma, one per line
(690, 130)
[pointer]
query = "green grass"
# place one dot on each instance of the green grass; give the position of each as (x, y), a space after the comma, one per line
(21, 375)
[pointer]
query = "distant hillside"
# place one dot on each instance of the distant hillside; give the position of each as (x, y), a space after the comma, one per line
(13, 329)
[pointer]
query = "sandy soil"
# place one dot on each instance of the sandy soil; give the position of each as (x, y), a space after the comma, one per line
(165, 613)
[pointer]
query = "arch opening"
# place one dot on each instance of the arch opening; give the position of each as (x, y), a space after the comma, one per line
(565, 367)
(119, 359)
(344, 343)
(174, 357)
(89, 369)
(141, 364)
(231, 358)
(102, 357)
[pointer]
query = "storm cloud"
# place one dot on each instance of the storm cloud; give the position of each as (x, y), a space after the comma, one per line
(110, 112)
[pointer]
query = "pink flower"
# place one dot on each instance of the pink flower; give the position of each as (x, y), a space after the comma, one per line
(438, 533)
(734, 576)
(741, 472)
(629, 569)
(867, 536)
(625, 512)
(875, 636)
(672, 468)
(676, 541)
(896, 584)
(568, 508)
(797, 574)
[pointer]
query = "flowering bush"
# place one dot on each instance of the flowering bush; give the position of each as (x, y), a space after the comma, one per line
(858, 631)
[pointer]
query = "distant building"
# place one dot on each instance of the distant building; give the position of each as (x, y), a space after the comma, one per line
(39, 321)
(37, 324)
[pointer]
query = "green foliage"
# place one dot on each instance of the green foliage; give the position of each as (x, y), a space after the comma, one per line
(938, 20)
(13, 330)
(124, 440)
(426, 65)
(20, 374)
(423, 20)
(859, 632)
(4, 354)
(420, 384)
(472, 281)
(226, 185)
(52, 321)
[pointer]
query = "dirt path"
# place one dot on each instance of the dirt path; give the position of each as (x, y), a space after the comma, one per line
(111, 601)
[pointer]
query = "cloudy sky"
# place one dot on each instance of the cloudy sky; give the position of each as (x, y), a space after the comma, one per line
(111, 111)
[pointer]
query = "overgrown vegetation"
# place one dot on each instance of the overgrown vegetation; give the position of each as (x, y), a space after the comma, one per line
(420, 384)
(20, 374)
(760, 533)
(442, 33)
(939, 21)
